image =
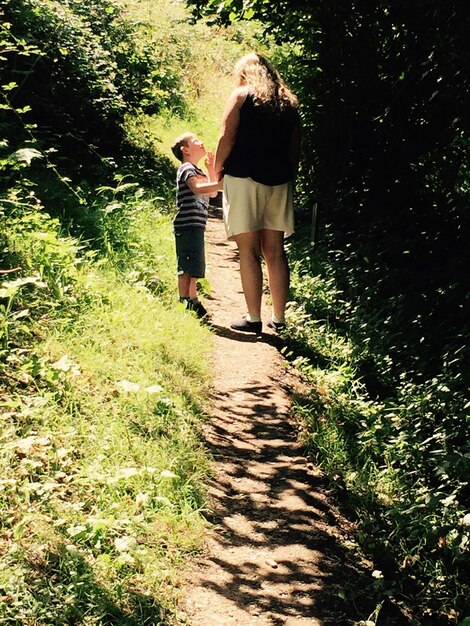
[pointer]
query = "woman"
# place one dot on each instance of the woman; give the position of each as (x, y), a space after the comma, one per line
(258, 154)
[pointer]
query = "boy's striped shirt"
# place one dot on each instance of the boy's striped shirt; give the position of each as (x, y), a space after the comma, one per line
(192, 209)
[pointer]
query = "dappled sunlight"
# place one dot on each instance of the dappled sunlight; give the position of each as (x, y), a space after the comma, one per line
(278, 550)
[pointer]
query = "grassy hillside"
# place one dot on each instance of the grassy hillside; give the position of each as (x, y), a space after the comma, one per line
(101, 468)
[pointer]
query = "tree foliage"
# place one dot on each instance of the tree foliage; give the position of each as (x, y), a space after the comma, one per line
(70, 72)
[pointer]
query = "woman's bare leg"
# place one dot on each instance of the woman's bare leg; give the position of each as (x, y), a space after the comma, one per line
(272, 247)
(250, 270)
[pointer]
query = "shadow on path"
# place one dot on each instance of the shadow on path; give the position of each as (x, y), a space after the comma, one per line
(281, 549)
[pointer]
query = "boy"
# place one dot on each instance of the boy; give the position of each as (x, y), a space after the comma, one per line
(193, 189)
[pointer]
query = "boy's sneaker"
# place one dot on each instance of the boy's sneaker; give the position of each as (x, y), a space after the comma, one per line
(245, 326)
(277, 326)
(198, 308)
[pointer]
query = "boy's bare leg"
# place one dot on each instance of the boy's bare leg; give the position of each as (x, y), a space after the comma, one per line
(193, 289)
(250, 270)
(272, 245)
(184, 285)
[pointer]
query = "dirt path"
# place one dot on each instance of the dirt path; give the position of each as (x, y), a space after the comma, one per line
(276, 554)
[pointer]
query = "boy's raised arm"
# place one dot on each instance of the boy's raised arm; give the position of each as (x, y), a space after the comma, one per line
(210, 165)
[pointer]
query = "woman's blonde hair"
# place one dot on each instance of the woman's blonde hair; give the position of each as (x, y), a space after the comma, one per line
(264, 81)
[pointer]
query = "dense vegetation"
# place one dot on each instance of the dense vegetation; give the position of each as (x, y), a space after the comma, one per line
(380, 316)
(378, 322)
(102, 377)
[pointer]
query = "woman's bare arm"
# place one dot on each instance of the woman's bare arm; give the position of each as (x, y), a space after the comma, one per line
(230, 121)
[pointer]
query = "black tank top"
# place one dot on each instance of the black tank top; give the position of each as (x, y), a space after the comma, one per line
(261, 149)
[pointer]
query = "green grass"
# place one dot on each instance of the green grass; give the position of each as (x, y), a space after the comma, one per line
(104, 376)
(102, 471)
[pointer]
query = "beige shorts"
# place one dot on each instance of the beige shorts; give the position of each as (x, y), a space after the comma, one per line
(250, 206)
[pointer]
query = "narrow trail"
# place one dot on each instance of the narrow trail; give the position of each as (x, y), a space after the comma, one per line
(276, 554)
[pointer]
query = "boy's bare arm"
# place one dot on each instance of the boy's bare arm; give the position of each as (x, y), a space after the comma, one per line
(200, 186)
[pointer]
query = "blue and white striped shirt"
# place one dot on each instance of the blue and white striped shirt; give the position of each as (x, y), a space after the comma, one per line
(192, 209)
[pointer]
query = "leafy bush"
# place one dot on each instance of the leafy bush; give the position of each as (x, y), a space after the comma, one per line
(41, 270)
(90, 68)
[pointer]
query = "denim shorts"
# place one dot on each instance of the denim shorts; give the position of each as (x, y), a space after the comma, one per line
(190, 253)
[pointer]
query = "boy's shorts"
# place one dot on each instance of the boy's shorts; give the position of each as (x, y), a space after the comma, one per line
(190, 254)
(250, 206)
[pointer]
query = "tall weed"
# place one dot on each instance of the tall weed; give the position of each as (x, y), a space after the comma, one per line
(202, 58)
